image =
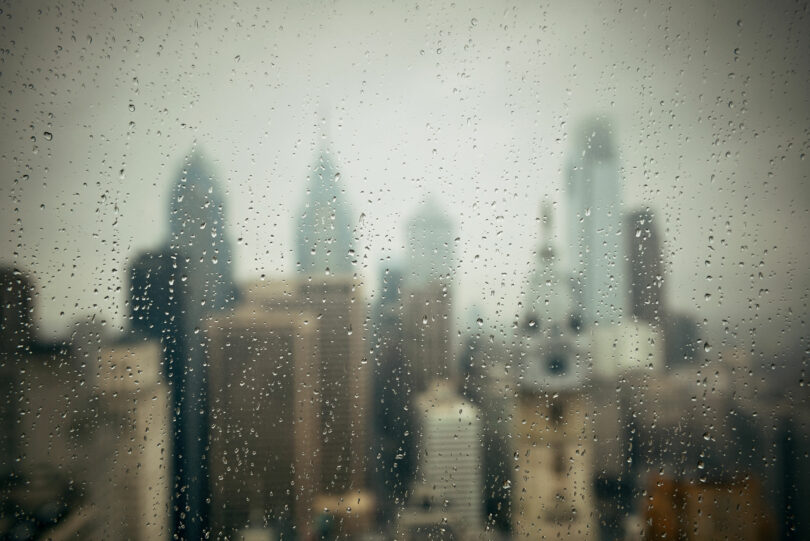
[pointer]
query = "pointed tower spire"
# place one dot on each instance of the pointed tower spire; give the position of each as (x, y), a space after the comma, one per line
(324, 243)
(197, 228)
(548, 298)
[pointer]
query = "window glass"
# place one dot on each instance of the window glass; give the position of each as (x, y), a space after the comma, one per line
(404, 270)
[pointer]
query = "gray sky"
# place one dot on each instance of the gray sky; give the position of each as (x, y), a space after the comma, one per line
(474, 102)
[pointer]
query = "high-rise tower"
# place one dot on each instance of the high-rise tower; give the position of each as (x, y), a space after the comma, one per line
(597, 247)
(264, 430)
(172, 291)
(329, 288)
(323, 240)
(552, 494)
(197, 229)
(428, 296)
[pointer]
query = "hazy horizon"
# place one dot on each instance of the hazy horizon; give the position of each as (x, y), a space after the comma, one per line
(476, 104)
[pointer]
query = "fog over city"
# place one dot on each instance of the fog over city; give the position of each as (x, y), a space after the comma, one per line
(475, 104)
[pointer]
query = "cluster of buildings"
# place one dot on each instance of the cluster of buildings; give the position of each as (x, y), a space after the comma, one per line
(305, 407)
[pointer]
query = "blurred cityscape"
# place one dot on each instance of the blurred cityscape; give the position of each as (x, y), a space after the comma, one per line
(308, 406)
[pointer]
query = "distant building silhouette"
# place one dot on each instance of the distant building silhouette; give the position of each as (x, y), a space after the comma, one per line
(198, 230)
(595, 222)
(392, 452)
(646, 263)
(265, 439)
(16, 310)
(323, 237)
(427, 303)
(173, 290)
(328, 287)
(333, 306)
(449, 479)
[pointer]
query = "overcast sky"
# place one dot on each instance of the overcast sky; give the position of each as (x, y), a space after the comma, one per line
(476, 103)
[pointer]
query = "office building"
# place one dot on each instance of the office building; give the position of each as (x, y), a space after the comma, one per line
(428, 294)
(135, 400)
(646, 267)
(449, 476)
(265, 451)
(597, 255)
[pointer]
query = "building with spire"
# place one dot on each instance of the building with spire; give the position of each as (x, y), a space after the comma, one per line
(329, 287)
(172, 291)
(595, 222)
(324, 236)
(198, 230)
(552, 496)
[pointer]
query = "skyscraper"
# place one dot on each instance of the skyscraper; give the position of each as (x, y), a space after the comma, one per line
(197, 229)
(16, 311)
(264, 431)
(172, 291)
(392, 422)
(595, 221)
(328, 287)
(428, 296)
(646, 267)
(323, 242)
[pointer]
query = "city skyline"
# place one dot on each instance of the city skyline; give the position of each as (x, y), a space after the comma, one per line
(435, 270)
(432, 110)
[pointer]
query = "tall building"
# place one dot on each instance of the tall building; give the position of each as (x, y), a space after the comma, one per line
(135, 501)
(427, 300)
(552, 493)
(173, 290)
(345, 381)
(198, 231)
(449, 481)
(393, 431)
(595, 224)
(263, 391)
(646, 267)
(328, 287)
(341, 371)
(324, 237)
(488, 384)
(198, 236)
(16, 336)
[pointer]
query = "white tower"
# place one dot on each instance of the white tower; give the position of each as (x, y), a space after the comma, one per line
(552, 496)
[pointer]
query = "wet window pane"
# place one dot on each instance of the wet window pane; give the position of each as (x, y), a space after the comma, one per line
(366, 271)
